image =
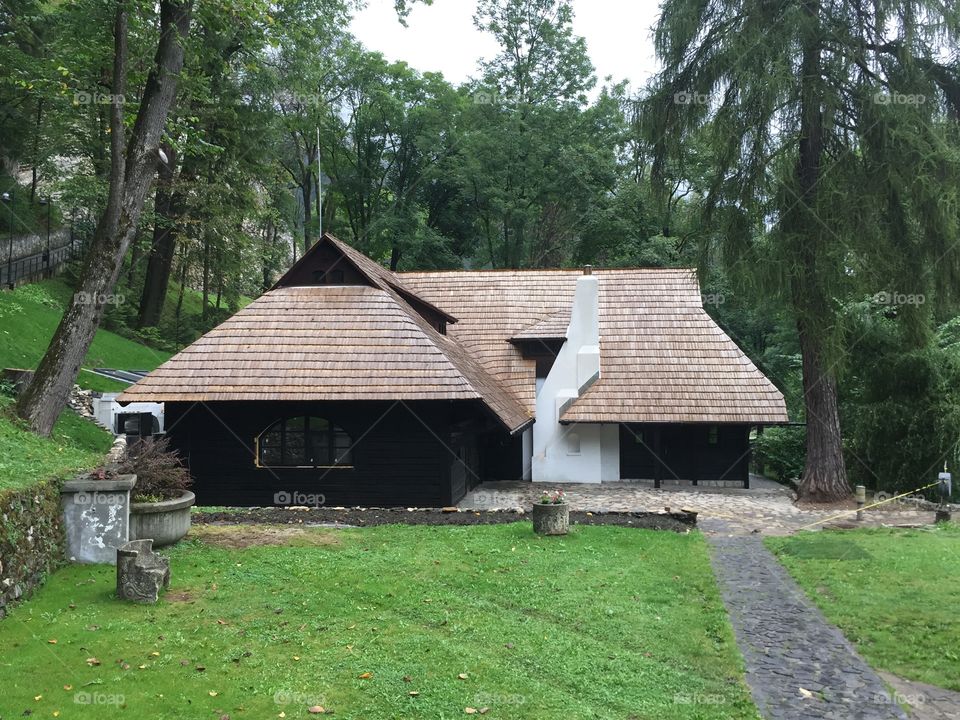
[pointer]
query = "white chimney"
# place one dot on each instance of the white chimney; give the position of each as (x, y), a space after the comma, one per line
(564, 453)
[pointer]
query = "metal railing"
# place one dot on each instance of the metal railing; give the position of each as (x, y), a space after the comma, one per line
(14, 271)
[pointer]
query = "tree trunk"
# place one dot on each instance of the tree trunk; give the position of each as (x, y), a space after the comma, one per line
(36, 151)
(164, 244)
(131, 172)
(183, 283)
(824, 475)
(206, 275)
(306, 190)
(220, 274)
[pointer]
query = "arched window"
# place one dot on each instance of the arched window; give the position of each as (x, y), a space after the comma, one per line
(304, 442)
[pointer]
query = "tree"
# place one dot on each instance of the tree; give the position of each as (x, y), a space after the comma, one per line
(535, 159)
(133, 164)
(827, 133)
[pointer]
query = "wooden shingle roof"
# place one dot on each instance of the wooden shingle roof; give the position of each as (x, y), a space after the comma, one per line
(553, 328)
(327, 342)
(662, 358)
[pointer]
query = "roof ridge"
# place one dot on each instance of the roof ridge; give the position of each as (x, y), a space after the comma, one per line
(576, 270)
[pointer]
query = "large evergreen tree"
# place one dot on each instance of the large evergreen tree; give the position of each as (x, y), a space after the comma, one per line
(832, 142)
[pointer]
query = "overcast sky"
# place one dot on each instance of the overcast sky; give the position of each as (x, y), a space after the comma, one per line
(441, 37)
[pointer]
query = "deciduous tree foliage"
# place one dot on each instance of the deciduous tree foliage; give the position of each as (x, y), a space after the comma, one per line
(134, 158)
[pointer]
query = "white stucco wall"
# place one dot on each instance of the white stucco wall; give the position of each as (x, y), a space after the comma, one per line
(574, 453)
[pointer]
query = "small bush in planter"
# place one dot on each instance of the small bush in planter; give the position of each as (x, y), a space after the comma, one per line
(159, 470)
(551, 514)
(554, 498)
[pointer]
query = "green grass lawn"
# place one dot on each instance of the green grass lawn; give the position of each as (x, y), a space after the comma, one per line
(387, 622)
(25, 458)
(29, 316)
(894, 593)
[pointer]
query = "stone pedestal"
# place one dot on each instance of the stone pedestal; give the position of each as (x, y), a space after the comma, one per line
(96, 517)
(141, 572)
(551, 518)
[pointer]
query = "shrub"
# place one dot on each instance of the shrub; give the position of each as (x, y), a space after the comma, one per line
(160, 471)
(781, 451)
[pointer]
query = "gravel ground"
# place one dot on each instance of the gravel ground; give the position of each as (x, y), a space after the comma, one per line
(365, 517)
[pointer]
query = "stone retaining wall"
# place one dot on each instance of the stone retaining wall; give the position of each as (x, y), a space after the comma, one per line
(32, 542)
(27, 245)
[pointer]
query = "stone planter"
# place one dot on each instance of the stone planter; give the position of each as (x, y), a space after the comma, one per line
(551, 518)
(164, 522)
(95, 516)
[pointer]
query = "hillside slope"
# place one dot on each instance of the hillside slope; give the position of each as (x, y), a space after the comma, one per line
(29, 316)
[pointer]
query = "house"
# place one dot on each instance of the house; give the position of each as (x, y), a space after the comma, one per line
(368, 387)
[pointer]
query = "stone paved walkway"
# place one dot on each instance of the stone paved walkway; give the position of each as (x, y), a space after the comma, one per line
(786, 642)
(766, 508)
(799, 666)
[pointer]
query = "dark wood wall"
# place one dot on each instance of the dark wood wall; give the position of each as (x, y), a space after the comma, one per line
(669, 451)
(402, 454)
(327, 259)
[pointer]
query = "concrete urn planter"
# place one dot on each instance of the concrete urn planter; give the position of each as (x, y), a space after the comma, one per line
(551, 518)
(164, 522)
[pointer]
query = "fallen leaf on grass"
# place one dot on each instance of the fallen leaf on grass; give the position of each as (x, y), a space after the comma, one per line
(92, 661)
(52, 641)
(38, 698)
(470, 711)
(407, 678)
(68, 688)
(462, 676)
(315, 710)
(213, 693)
(413, 693)
(365, 676)
(155, 653)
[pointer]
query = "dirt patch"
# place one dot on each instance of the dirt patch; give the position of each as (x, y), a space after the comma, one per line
(178, 596)
(241, 536)
(367, 517)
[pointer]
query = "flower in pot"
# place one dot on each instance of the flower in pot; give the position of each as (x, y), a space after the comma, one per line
(161, 499)
(551, 514)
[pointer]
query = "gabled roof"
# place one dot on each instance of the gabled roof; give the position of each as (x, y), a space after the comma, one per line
(329, 342)
(662, 357)
(376, 274)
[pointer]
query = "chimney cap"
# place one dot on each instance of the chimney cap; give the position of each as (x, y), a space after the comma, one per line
(588, 269)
